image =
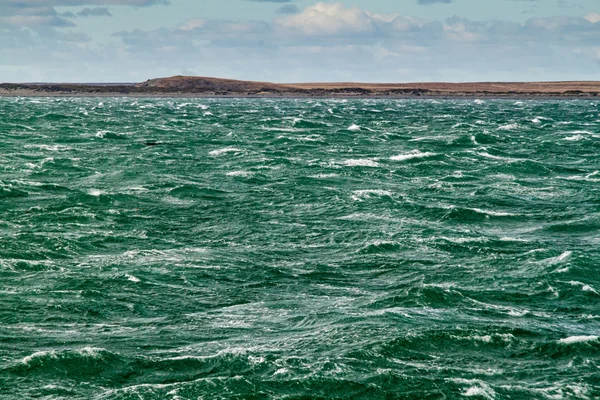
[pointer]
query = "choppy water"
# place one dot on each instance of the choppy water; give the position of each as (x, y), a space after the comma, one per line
(188, 249)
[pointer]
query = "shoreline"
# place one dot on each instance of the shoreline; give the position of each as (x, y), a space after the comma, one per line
(441, 96)
(204, 87)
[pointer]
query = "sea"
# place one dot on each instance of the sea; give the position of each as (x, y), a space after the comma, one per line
(299, 249)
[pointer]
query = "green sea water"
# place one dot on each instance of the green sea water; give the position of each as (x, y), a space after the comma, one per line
(299, 249)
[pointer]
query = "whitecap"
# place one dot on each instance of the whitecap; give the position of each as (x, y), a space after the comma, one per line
(240, 173)
(413, 154)
(39, 354)
(359, 195)
(57, 147)
(578, 339)
(361, 163)
(492, 213)
(224, 151)
(574, 138)
(563, 256)
(493, 157)
(461, 240)
(354, 128)
(324, 176)
(508, 127)
(132, 278)
(512, 239)
(95, 192)
(477, 391)
(477, 388)
(584, 286)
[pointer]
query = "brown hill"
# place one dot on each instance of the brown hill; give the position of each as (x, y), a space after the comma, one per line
(203, 84)
(206, 87)
(193, 84)
(467, 87)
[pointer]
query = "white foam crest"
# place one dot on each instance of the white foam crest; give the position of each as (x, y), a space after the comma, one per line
(461, 240)
(478, 391)
(359, 195)
(493, 157)
(95, 192)
(56, 147)
(366, 162)
(413, 154)
(39, 354)
(324, 176)
(578, 339)
(512, 239)
(225, 151)
(508, 127)
(573, 138)
(443, 138)
(354, 128)
(368, 217)
(580, 132)
(269, 129)
(584, 286)
(563, 256)
(477, 388)
(240, 173)
(492, 213)
(280, 371)
(92, 352)
(132, 278)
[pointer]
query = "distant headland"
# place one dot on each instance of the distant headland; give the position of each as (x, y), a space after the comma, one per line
(192, 86)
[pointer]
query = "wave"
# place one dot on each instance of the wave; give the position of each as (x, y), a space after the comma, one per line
(243, 174)
(508, 127)
(412, 155)
(361, 163)
(225, 151)
(360, 195)
(579, 339)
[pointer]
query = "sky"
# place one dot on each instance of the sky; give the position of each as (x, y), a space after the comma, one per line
(300, 40)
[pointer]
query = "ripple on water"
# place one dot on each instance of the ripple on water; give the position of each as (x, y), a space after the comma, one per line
(345, 248)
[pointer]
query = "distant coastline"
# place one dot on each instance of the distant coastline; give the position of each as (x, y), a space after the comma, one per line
(201, 87)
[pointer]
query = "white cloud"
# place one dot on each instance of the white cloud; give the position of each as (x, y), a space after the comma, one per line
(593, 17)
(325, 41)
(332, 19)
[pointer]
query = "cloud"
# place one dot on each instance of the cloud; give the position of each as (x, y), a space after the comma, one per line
(593, 17)
(36, 14)
(325, 41)
(72, 3)
(333, 19)
(430, 2)
(95, 12)
(288, 9)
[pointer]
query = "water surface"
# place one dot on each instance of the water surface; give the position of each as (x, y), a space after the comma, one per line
(299, 249)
